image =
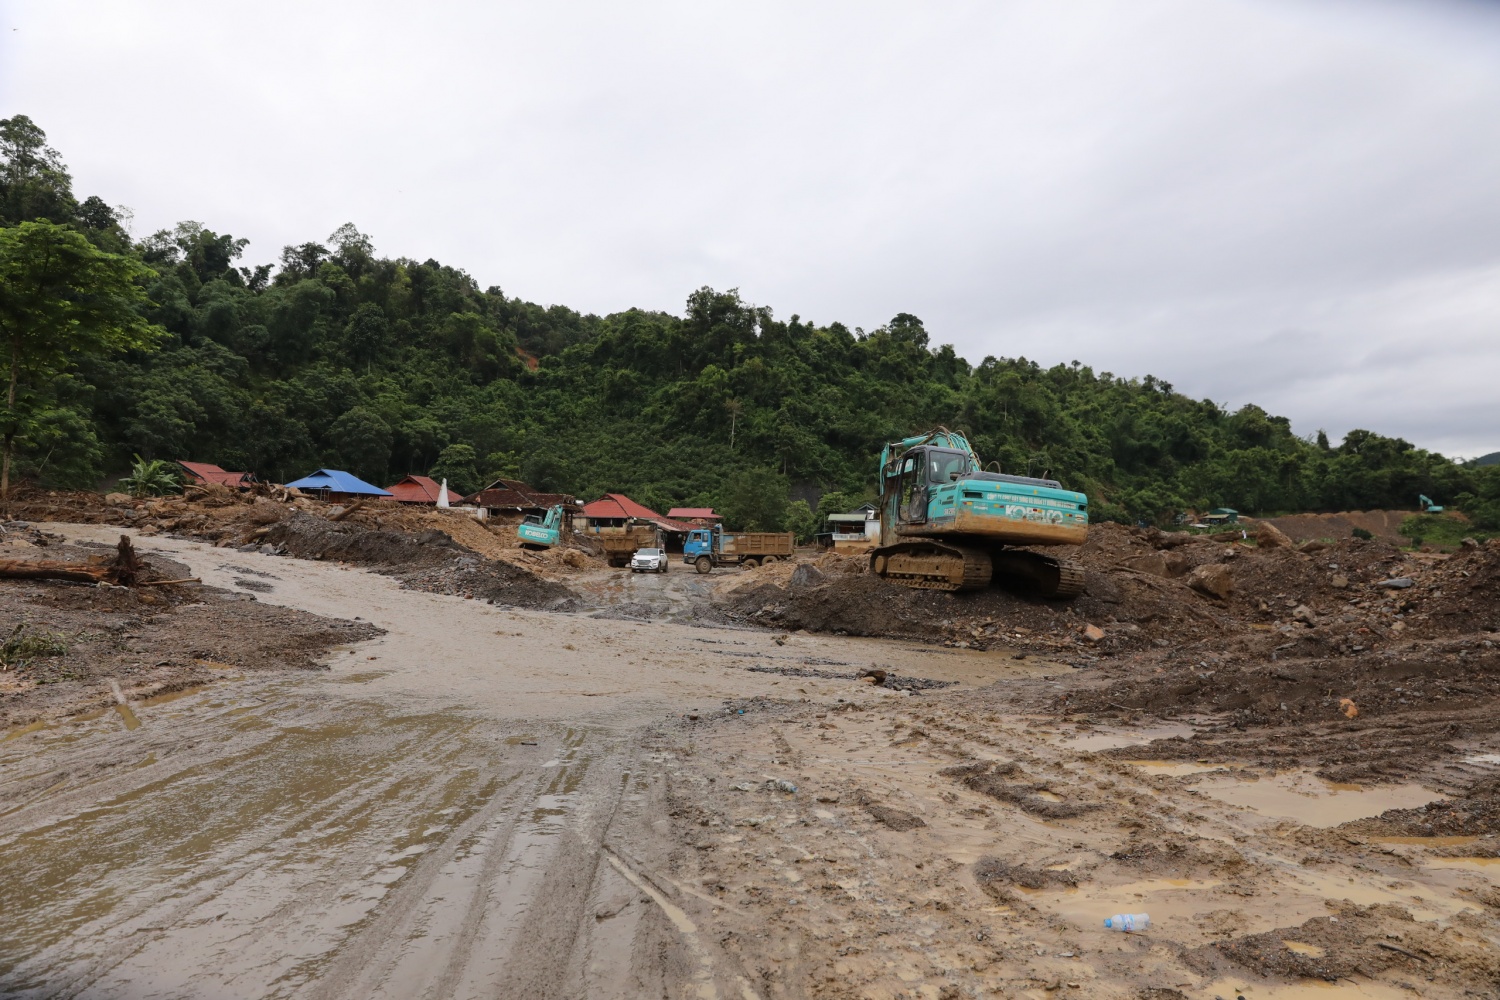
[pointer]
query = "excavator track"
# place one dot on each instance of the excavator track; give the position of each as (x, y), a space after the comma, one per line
(1043, 575)
(933, 566)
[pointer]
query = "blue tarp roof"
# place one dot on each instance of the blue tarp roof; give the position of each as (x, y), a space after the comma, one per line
(338, 482)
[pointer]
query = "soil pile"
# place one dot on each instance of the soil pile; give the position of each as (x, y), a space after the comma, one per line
(67, 641)
(1383, 524)
(445, 552)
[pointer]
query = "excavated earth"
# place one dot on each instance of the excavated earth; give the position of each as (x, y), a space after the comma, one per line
(390, 754)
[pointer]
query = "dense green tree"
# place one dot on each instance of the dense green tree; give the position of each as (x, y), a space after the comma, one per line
(457, 464)
(61, 298)
(338, 356)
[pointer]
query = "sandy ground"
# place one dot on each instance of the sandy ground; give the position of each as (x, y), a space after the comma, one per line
(488, 801)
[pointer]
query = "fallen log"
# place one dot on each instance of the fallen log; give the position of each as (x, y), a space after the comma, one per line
(356, 505)
(122, 570)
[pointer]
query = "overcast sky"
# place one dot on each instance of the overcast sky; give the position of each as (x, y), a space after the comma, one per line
(1292, 204)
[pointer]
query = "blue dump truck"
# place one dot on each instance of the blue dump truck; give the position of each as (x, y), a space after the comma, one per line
(710, 547)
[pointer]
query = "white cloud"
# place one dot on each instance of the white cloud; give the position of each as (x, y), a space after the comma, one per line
(1277, 202)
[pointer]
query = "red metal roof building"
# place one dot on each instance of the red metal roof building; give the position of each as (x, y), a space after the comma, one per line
(419, 489)
(514, 495)
(704, 517)
(619, 507)
(203, 472)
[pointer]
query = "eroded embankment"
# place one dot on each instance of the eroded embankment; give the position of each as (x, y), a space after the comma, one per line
(69, 647)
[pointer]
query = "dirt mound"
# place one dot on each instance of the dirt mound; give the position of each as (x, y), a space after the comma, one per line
(1357, 941)
(1476, 814)
(149, 640)
(446, 552)
(1383, 524)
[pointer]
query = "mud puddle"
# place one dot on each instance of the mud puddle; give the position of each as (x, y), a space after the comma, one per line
(1312, 989)
(1310, 800)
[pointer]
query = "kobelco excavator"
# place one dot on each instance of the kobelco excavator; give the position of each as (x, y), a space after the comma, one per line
(945, 524)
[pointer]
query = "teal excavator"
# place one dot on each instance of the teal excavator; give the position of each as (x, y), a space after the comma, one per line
(946, 524)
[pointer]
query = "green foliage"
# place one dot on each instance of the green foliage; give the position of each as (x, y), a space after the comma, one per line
(1442, 531)
(61, 299)
(20, 649)
(386, 366)
(151, 478)
(1364, 533)
(457, 465)
(755, 500)
(801, 521)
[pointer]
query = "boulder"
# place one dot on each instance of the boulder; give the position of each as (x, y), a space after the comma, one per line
(807, 575)
(116, 499)
(1177, 563)
(1212, 580)
(1093, 633)
(1268, 536)
(1339, 582)
(1304, 614)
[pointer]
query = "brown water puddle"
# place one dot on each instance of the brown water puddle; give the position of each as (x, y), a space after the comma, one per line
(1308, 989)
(1112, 739)
(1425, 841)
(1311, 801)
(1175, 768)
(1485, 866)
(1167, 900)
(1303, 948)
(23, 730)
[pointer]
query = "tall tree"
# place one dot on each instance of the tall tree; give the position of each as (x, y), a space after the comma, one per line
(61, 299)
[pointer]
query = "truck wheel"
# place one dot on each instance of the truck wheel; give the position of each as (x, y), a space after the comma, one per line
(768, 560)
(703, 564)
(750, 563)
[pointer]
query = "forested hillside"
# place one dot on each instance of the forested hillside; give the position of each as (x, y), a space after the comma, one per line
(337, 356)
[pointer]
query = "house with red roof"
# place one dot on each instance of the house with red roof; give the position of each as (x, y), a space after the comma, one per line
(702, 517)
(616, 510)
(511, 497)
(202, 473)
(419, 490)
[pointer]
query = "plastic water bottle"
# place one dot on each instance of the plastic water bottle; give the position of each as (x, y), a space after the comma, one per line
(1128, 922)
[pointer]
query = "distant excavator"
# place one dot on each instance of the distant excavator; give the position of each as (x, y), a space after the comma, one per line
(1428, 507)
(946, 524)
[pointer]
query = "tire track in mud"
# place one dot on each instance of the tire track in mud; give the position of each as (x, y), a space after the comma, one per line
(286, 843)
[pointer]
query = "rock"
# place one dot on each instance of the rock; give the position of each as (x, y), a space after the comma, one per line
(116, 499)
(574, 558)
(1312, 546)
(1268, 536)
(1305, 614)
(1177, 564)
(1397, 583)
(1093, 633)
(1212, 580)
(1469, 543)
(1339, 582)
(807, 575)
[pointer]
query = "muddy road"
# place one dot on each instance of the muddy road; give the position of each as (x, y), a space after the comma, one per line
(473, 804)
(479, 800)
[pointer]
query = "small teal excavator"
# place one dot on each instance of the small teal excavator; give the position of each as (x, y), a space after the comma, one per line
(946, 524)
(541, 531)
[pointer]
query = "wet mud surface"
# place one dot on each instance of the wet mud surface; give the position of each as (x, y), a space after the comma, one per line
(611, 786)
